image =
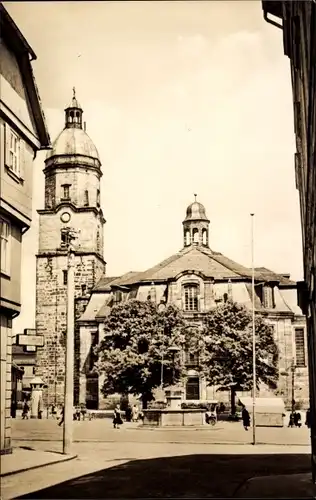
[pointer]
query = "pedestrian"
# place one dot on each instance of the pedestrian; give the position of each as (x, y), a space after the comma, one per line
(83, 410)
(77, 413)
(135, 413)
(308, 418)
(13, 409)
(245, 418)
(128, 413)
(117, 419)
(25, 411)
(54, 411)
(62, 416)
(297, 419)
(291, 420)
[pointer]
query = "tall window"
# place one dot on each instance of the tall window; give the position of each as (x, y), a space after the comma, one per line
(86, 198)
(65, 277)
(93, 358)
(13, 160)
(66, 192)
(191, 301)
(300, 347)
(5, 246)
(98, 197)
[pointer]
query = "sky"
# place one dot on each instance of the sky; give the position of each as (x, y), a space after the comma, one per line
(179, 98)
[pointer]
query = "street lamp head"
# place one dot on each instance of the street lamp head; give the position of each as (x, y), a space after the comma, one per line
(161, 307)
(173, 349)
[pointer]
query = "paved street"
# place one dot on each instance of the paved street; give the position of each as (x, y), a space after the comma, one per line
(101, 430)
(133, 462)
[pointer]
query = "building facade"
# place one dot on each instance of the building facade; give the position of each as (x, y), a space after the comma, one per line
(72, 202)
(23, 132)
(197, 279)
(297, 20)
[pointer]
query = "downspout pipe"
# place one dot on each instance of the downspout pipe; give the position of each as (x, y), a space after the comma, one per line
(270, 21)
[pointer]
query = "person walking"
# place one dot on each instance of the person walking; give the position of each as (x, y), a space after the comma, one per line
(62, 416)
(297, 419)
(54, 411)
(135, 413)
(25, 411)
(245, 418)
(291, 420)
(117, 419)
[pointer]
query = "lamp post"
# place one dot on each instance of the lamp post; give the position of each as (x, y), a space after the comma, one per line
(173, 350)
(254, 382)
(161, 308)
(69, 366)
(293, 368)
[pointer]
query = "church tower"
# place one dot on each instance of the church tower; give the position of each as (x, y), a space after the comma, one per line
(72, 202)
(196, 225)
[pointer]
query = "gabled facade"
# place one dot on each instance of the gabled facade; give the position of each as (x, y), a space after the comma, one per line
(22, 133)
(197, 279)
(297, 20)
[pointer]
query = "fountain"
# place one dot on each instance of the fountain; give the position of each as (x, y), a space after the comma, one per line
(173, 415)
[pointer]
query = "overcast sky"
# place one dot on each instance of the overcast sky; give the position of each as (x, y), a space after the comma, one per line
(179, 98)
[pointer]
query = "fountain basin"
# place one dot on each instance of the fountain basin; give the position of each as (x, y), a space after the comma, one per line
(177, 417)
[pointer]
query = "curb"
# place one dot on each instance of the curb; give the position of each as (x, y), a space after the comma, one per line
(38, 466)
(210, 443)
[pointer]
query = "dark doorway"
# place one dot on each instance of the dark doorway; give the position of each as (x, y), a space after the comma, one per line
(92, 394)
(193, 388)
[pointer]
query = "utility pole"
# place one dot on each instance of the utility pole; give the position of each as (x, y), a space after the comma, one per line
(69, 367)
(293, 386)
(254, 382)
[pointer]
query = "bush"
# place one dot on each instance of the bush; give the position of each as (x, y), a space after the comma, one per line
(111, 402)
(194, 406)
(157, 405)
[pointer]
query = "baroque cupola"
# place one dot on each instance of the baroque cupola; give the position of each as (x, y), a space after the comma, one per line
(196, 225)
(73, 140)
(73, 113)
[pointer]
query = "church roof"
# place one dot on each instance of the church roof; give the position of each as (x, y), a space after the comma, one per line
(106, 282)
(203, 260)
(73, 141)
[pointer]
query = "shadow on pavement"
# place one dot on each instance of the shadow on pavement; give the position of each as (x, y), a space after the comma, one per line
(187, 476)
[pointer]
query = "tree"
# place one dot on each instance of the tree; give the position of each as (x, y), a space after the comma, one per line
(227, 350)
(137, 336)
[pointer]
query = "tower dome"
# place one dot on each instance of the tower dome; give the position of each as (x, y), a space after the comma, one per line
(73, 140)
(196, 225)
(196, 211)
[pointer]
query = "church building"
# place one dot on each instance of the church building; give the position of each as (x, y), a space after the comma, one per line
(195, 279)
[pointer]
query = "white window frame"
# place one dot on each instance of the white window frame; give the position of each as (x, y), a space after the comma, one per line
(13, 161)
(191, 293)
(300, 350)
(5, 236)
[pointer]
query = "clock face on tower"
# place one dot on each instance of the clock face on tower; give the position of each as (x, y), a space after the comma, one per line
(65, 217)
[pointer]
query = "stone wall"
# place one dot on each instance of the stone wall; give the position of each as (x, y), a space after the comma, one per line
(51, 317)
(80, 180)
(86, 223)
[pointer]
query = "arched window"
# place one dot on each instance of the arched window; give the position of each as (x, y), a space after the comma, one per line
(204, 237)
(191, 299)
(187, 238)
(195, 235)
